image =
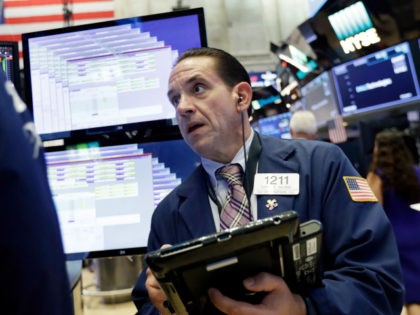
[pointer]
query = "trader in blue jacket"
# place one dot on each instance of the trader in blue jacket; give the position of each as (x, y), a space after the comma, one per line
(211, 93)
(34, 278)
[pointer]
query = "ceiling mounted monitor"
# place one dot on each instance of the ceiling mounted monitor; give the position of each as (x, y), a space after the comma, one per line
(383, 80)
(319, 97)
(354, 28)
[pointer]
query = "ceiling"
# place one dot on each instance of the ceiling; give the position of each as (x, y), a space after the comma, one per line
(244, 28)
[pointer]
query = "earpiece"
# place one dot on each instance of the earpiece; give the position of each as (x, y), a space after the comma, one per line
(238, 106)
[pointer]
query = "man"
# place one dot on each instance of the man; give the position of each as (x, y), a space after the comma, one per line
(211, 93)
(34, 278)
(303, 125)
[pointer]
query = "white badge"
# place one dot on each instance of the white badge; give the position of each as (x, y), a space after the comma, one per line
(276, 184)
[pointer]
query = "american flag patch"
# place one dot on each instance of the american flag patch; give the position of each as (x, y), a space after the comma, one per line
(359, 189)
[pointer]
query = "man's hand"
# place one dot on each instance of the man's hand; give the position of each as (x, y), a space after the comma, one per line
(156, 294)
(278, 301)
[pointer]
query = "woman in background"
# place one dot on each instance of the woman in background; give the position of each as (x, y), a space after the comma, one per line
(395, 180)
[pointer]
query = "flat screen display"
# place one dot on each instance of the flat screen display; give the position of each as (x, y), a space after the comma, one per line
(377, 81)
(320, 98)
(262, 79)
(105, 196)
(276, 126)
(107, 76)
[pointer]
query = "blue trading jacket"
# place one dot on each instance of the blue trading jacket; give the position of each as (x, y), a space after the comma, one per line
(360, 260)
(34, 279)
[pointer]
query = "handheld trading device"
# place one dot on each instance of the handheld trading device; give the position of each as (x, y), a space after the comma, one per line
(278, 245)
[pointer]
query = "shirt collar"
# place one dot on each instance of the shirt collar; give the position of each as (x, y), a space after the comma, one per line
(211, 166)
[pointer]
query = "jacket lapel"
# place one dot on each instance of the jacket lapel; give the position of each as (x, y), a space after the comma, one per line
(195, 209)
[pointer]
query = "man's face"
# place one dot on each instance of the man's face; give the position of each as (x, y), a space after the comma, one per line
(206, 109)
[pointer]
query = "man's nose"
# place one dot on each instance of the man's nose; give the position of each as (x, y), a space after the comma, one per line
(185, 105)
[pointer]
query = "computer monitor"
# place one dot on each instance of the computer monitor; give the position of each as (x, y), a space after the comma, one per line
(276, 125)
(106, 77)
(105, 195)
(262, 79)
(383, 80)
(9, 59)
(320, 97)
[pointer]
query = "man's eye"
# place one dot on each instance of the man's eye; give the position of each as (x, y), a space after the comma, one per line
(198, 88)
(175, 101)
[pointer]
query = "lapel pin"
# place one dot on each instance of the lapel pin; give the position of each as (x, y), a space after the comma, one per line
(271, 204)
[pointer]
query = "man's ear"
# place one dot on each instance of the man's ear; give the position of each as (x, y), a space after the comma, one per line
(244, 95)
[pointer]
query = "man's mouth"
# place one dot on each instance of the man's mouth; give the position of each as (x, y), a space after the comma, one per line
(194, 127)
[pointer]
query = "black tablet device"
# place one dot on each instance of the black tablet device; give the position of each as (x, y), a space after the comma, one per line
(278, 245)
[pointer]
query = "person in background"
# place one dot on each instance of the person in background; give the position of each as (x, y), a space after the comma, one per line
(34, 278)
(211, 93)
(395, 180)
(303, 125)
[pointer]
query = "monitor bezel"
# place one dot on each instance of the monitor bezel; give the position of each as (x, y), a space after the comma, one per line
(83, 134)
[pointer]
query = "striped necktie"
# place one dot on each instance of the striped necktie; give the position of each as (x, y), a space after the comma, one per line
(236, 211)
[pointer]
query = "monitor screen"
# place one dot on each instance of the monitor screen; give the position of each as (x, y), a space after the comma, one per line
(275, 126)
(352, 24)
(108, 76)
(346, 30)
(263, 79)
(319, 97)
(105, 196)
(9, 59)
(377, 81)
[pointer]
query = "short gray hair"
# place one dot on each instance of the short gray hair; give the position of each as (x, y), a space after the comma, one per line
(304, 122)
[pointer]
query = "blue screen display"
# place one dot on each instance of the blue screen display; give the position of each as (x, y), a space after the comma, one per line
(377, 81)
(276, 126)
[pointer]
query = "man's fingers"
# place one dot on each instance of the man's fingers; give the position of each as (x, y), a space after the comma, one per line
(264, 282)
